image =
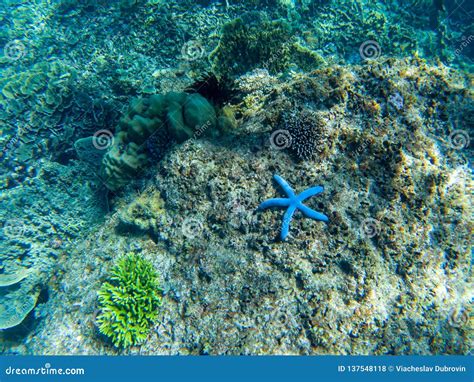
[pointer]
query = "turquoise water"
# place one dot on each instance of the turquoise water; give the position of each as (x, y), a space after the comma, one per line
(139, 137)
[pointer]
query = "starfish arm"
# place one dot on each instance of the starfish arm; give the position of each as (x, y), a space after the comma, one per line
(310, 213)
(285, 227)
(310, 192)
(276, 202)
(284, 184)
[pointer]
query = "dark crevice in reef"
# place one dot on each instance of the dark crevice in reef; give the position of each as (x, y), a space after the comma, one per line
(219, 91)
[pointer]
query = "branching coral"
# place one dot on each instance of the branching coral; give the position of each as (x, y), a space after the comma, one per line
(306, 131)
(129, 302)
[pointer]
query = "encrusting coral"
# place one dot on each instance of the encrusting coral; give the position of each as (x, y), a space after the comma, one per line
(144, 213)
(129, 302)
(44, 90)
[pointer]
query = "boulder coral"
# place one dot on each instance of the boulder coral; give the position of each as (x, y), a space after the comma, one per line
(177, 115)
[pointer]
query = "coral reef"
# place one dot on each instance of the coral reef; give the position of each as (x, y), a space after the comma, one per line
(376, 100)
(36, 99)
(144, 214)
(129, 302)
(35, 241)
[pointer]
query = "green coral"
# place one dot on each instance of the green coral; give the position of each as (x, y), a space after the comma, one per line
(251, 43)
(43, 90)
(305, 58)
(129, 302)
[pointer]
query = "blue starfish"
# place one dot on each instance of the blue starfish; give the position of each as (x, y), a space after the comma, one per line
(293, 202)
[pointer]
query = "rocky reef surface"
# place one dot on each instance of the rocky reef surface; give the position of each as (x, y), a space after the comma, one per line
(373, 116)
